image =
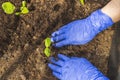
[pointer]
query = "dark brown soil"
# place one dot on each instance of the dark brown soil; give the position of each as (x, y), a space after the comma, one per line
(22, 38)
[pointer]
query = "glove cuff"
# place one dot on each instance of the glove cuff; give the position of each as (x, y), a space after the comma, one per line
(94, 74)
(100, 21)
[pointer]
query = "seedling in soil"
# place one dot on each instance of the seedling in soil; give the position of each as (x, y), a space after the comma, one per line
(47, 42)
(8, 7)
(47, 50)
(82, 2)
(23, 9)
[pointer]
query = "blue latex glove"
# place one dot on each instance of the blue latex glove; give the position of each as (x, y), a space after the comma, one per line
(75, 69)
(80, 32)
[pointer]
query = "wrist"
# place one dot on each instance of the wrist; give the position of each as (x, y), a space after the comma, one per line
(94, 74)
(112, 9)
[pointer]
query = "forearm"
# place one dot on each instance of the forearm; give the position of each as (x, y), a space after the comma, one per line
(112, 9)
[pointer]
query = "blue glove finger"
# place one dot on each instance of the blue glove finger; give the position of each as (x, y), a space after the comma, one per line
(63, 57)
(59, 62)
(58, 38)
(61, 43)
(58, 32)
(55, 33)
(55, 68)
(58, 75)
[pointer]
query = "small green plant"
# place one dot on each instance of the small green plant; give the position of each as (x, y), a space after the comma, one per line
(23, 9)
(47, 50)
(8, 7)
(82, 2)
(47, 42)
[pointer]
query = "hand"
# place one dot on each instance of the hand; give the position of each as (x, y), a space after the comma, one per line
(80, 32)
(74, 68)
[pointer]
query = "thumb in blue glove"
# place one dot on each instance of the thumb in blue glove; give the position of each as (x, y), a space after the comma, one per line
(80, 32)
(74, 68)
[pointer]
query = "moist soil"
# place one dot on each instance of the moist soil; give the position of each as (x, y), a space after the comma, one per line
(22, 38)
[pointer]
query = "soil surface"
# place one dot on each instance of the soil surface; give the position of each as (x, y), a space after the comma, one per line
(22, 38)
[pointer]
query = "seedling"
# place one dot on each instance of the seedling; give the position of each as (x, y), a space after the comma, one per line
(47, 42)
(23, 9)
(47, 50)
(82, 2)
(8, 7)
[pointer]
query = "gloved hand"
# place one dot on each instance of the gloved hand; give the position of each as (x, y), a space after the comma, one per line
(80, 32)
(74, 68)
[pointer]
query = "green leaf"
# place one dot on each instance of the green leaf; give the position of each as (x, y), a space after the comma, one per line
(82, 2)
(47, 52)
(24, 3)
(8, 7)
(24, 10)
(17, 13)
(47, 42)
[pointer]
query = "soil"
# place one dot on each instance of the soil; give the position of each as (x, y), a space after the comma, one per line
(22, 38)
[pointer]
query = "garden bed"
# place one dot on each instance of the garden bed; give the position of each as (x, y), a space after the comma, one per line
(22, 38)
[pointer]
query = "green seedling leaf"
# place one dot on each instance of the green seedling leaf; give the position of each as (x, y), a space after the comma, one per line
(24, 3)
(24, 10)
(8, 7)
(82, 2)
(17, 13)
(47, 52)
(47, 42)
